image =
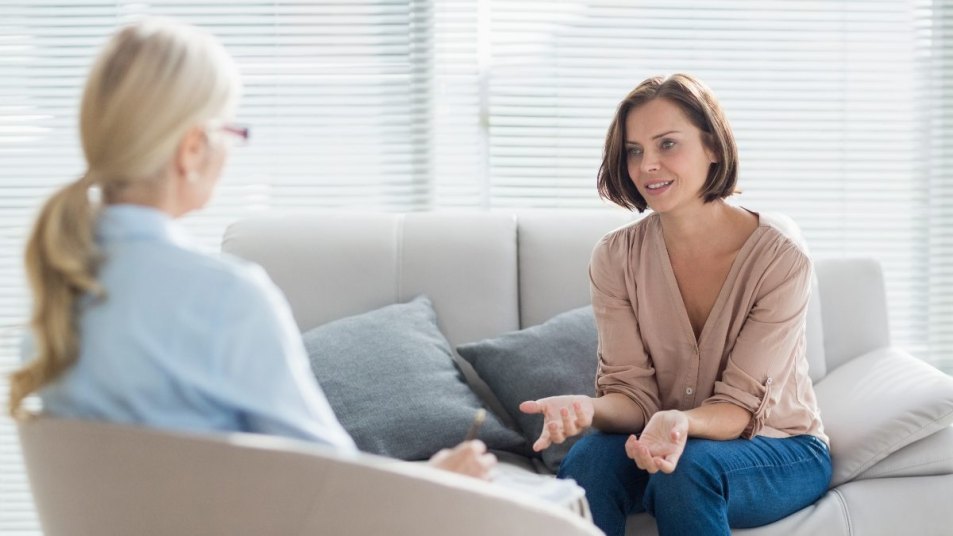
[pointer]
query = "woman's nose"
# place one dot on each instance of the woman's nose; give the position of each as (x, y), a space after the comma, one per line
(650, 162)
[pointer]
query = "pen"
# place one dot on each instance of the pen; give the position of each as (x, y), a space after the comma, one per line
(477, 423)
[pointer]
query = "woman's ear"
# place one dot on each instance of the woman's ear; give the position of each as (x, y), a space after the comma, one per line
(190, 154)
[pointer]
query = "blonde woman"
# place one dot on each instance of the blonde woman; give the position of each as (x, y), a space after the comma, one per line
(131, 323)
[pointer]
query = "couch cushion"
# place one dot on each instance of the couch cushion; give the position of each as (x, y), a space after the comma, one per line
(554, 251)
(555, 358)
(331, 265)
(879, 403)
(390, 379)
(854, 304)
(932, 455)
(814, 337)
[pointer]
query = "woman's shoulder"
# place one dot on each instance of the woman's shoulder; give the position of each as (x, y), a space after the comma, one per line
(623, 239)
(222, 277)
(783, 235)
(781, 250)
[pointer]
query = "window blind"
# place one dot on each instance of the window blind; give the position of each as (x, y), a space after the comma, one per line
(822, 97)
(839, 108)
(338, 95)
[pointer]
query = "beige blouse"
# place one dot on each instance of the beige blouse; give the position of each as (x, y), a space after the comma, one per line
(751, 351)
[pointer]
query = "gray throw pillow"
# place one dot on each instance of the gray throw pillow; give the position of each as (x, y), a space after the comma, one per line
(554, 358)
(389, 376)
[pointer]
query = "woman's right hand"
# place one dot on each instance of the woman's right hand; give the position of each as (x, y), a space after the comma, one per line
(564, 416)
(469, 458)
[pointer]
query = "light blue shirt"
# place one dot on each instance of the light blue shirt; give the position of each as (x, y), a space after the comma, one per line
(187, 341)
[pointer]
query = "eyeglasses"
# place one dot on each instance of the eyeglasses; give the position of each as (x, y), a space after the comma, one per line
(242, 132)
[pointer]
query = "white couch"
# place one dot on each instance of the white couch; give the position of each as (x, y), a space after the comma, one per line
(887, 413)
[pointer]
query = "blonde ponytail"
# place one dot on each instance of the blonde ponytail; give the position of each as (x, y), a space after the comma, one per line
(61, 263)
(151, 82)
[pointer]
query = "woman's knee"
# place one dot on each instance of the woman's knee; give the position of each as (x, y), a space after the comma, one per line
(696, 475)
(593, 456)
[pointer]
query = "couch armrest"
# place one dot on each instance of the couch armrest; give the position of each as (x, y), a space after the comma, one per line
(877, 404)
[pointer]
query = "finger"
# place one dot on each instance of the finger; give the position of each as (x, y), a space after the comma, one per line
(478, 446)
(543, 442)
(639, 453)
(440, 456)
(630, 447)
(569, 423)
(486, 464)
(531, 406)
(650, 464)
(643, 457)
(665, 465)
(556, 434)
(676, 435)
(582, 420)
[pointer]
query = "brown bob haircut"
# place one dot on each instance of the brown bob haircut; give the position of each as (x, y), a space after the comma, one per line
(701, 108)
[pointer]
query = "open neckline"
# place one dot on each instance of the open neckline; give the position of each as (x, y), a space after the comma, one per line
(716, 307)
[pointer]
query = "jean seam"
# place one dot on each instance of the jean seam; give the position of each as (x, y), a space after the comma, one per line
(773, 466)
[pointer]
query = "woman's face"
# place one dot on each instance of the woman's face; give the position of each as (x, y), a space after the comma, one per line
(666, 158)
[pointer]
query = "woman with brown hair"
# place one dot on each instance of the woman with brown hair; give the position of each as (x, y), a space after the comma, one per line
(706, 415)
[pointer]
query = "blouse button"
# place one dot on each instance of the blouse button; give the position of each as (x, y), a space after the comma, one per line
(688, 391)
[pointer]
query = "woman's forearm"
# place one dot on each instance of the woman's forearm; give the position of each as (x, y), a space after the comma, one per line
(717, 421)
(617, 413)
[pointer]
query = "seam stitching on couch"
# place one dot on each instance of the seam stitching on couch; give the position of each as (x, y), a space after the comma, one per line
(898, 471)
(893, 447)
(844, 510)
(399, 252)
(519, 282)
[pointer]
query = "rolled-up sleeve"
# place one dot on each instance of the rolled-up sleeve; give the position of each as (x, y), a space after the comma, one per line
(771, 339)
(623, 365)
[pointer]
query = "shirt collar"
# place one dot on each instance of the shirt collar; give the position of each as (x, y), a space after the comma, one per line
(137, 222)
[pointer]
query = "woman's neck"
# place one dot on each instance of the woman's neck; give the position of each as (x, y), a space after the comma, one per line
(701, 227)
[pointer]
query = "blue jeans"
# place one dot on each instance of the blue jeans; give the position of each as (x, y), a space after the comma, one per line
(717, 484)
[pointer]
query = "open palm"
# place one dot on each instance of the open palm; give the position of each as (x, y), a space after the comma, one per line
(661, 443)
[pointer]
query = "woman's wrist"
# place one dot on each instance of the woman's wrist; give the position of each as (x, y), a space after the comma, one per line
(616, 413)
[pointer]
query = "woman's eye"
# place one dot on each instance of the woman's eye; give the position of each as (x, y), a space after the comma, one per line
(667, 144)
(635, 151)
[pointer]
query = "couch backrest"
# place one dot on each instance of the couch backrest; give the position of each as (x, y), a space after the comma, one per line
(489, 273)
(333, 265)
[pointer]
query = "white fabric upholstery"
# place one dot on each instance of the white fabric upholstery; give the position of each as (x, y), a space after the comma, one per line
(102, 479)
(932, 455)
(879, 403)
(335, 265)
(554, 251)
(329, 274)
(854, 304)
(892, 506)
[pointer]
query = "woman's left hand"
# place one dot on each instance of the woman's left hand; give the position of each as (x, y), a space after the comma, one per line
(661, 442)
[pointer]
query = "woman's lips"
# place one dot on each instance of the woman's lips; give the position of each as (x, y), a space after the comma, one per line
(662, 186)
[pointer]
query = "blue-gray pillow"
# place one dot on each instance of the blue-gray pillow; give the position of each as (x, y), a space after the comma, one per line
(554, 358)
(390, 378)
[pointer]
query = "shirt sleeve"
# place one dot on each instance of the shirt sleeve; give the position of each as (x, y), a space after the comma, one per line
(623, 364)
(262, 359)
(772, 337)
